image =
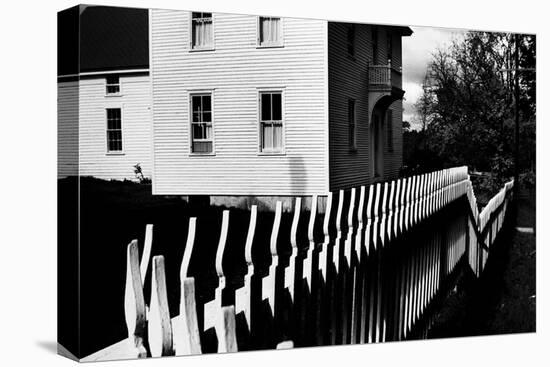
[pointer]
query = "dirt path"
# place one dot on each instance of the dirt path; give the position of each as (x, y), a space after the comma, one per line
(503, 300)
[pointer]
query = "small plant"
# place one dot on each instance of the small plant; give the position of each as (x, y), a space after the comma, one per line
(140, 176)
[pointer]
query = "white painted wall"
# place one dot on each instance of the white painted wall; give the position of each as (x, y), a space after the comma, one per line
(82, 137)
(67, 129)
(234, 71)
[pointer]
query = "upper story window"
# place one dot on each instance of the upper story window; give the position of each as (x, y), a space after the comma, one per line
(271, 122)
(351, 39)
(352, 126)
(114, 130)
(389, 45)
(270, 31)
(201, 123)
(389, 130)
(112, 84)
(374, 42)
(202, 31)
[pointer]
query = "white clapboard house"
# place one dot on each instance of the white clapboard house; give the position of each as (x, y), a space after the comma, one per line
(231, 106)
(259, 107)
(104, 92)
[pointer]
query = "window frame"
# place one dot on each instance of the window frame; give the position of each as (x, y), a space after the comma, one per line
(389, 130)
(389, 46)
(123, 142)
(117, 94)
(192, 47)
(282, 150)
(353, 29)
(375, 43)
(279, 44)
(201, 92)
(352, 125)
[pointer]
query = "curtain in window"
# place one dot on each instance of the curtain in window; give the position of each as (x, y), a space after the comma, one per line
(270, 30)
(202, 30)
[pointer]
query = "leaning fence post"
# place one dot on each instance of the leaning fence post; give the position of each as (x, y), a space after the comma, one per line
(243, 295)
(134, 302)
(159, 323)
(187, 340)
(290, 271)
(269, 282)
(212, 309)
(148, 243)
(226, 330)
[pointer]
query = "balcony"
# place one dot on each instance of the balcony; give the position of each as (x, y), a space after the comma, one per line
(385, 83)
(384, 77)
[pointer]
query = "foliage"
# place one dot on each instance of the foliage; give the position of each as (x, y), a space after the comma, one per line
(140, 176)
(467, 108)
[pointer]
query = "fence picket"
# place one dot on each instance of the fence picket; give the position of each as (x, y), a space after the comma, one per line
(159, 322)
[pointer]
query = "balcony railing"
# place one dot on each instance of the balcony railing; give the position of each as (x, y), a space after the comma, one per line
(384, 76)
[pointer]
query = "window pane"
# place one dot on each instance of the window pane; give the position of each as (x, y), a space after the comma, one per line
(266, 106)
(202, 147)
(206, 103)
(267, 137)
(277, 137)
(277, 106)
(112, 79)
(197, 131)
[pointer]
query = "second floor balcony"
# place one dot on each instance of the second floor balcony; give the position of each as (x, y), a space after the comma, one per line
(384, 78)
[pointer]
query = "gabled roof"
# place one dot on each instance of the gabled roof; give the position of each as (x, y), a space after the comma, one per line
(100, 38)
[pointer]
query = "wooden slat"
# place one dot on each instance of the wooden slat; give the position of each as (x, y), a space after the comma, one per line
(159, 324)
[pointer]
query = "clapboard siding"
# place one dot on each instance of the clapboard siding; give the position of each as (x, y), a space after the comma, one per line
(348, 79)
(67, 129)
(136, 128)
(233, 72)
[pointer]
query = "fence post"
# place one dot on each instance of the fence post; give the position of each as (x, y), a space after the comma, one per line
(212, 309)
(159, 323)
(134, 302)
(226, 330)
(187, 340)
(245, 294)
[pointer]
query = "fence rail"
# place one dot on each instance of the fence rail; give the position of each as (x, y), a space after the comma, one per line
(389, 252)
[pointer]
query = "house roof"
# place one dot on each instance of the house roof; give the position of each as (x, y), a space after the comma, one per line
(101, 38)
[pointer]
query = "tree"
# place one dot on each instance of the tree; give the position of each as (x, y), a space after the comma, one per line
(466, 108)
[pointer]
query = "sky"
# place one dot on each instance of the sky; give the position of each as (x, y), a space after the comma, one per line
(417, 53)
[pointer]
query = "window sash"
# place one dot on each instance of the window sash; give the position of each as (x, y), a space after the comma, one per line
(389, 130)
(201, 123)
(271, 130)
(270, 31)
(114, 130)
(112, 85)
(352, 126)
(202, 30)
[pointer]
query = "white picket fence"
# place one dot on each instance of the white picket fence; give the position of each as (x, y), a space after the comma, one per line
(389, 253)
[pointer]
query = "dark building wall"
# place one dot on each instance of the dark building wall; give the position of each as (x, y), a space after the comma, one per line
(101, 38)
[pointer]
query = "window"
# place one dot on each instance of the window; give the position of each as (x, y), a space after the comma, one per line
(270, 31)
(351, 125)
(202, 30)
(389, 45)
(376, 144)
(271, 122)
(114, 130)
(389, 130)
(374, 40)
(201, 123)
(112, 84)
(351, 40)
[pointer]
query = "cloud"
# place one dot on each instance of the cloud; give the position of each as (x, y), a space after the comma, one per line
(417, 53)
